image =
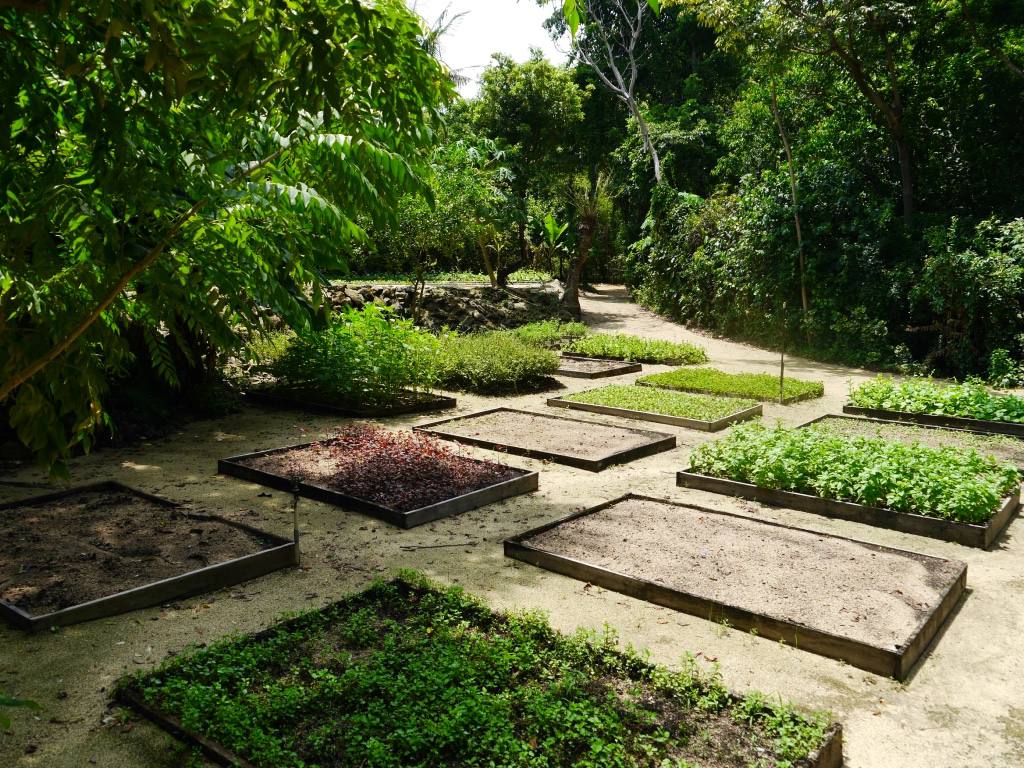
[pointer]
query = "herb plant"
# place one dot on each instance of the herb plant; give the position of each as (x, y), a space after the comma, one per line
(405, 674)
(947, 483)
(492, 363)
(970, 400)
(621, 346)
(757, 386)
(662, 401)
(364, 357)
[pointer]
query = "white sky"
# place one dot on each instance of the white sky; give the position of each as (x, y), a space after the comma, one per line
(489, 26)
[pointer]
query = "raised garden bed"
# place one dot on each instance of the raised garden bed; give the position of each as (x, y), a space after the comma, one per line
(576, 443)
(639, 349)
(104, 549)
(407, 402)
(1004, 448)
(594, 368)
(703, 412)
(407, 674)
(874, 607)
(756, 386)
(401, 478)
(957, 422)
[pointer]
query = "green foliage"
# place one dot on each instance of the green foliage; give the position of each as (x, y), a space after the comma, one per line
(947, 483)
(757, 386)
(447, 276)
(550, 334)
(1003, 371)
(173, 172)
(405, 674)
(621, 346)
(492, 363)
(365, 357)
(651, 400)
(970, 400)
(9, 702)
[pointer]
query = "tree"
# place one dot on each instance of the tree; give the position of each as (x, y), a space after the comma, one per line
(531, 110)
(591, 205)
(178, 171)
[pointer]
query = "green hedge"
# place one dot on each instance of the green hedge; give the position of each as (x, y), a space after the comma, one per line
(757, 386)
(621, 346)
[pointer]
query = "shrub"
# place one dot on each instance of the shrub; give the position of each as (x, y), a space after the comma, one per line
(948, 483)
(550, 334)
(492, 363)
(621, 346)
(665, 402)
(365, 356)
(970, 400)
(711, 381)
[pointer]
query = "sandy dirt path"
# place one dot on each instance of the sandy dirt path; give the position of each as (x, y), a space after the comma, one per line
(962, 707)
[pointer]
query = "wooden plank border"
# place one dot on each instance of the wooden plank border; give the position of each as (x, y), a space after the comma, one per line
(890, 662)
(958, 422)
(660, 418)
(282, 553)
(619, 370)
(657, 441)
(430, 403)
(234, 466)
(968, 534)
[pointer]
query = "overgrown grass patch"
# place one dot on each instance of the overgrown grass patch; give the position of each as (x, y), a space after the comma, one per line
(971, 400)
(405, 674)
(947, 483)
(756, 386)
(492, 363)
(550, 334)
(663, 401)
(621, 346)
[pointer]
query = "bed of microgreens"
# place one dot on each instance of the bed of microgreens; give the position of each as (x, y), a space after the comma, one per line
(948, 483)
(711, 381)
(621, 346)
(663, 401)
(494, 362)
(405, 674)
(970, 400)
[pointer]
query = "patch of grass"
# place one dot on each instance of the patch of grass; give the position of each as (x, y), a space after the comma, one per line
(663, 401)
(446, 276)
(492, 363)
(757, 386)
(406, 674)
(549, 334)
(948, 483)
(970, 400)
(621, 346)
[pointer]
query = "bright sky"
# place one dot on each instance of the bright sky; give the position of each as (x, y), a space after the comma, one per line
(489, 26)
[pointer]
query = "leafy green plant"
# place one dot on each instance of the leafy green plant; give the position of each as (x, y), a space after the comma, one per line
(550, 334)
(409, 674)
(947, 483)
(1003, 371)
(662, 401)
(621, 346)
(493, 362)
(8, 702)
(757, 386)
(970, 400)
(364, 357)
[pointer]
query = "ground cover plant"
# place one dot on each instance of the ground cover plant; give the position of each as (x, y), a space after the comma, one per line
(405, 674)
(666, 402)
(402, 471)
(363, 357)
(971, 400)
(948, 483)
(622, 346)
(550, 334)
(757, 386)
(492, 363)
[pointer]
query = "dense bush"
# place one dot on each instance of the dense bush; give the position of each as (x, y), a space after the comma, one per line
(621, 346)
(492, 363)
(948, 483)
(365, 357)
(550, 334)
(970, 400)
(758, 386)
(661, 401)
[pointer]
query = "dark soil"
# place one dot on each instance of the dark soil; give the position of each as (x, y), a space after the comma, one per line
(97, 543)
(405, 401)
(399, 470)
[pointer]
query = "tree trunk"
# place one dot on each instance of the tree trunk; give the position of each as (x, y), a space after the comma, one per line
(571, 295)
(906, 177)
(645, 133)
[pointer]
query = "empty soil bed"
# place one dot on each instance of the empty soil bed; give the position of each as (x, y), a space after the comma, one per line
(872, 606)
(1006, 449)
(583, 444)
(96, 543)
(595, 368)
